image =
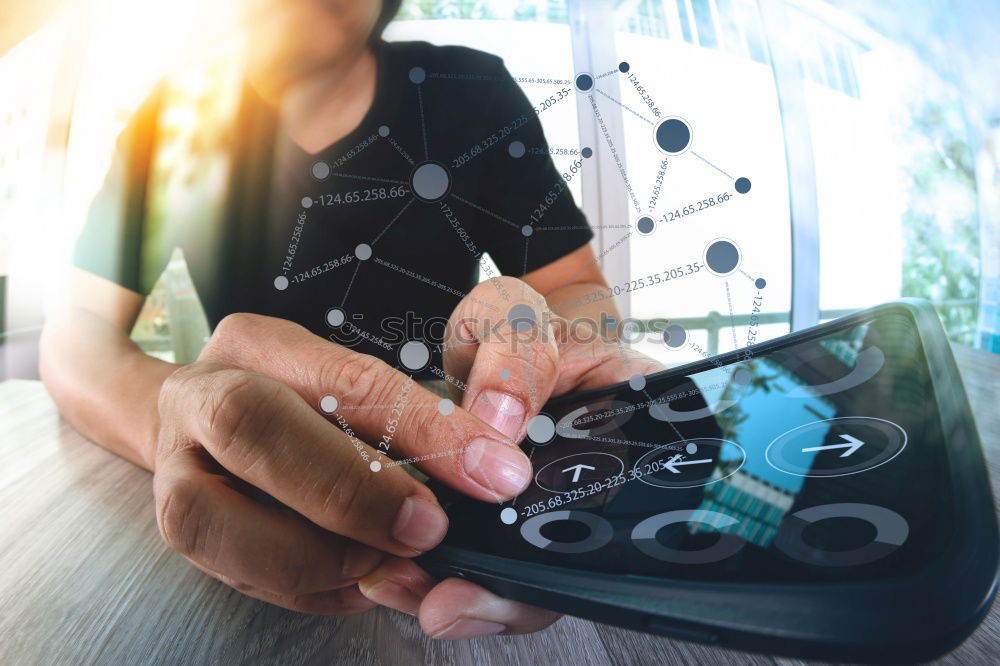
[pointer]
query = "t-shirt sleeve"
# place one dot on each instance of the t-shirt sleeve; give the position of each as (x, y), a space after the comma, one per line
(515, 188)
(110, 243)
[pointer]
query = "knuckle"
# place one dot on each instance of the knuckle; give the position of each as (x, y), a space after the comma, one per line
(232, 401)
(233, 326)
(362, 377)
(184, 523)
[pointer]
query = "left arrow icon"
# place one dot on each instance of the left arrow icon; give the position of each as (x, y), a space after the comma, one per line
(851, 444)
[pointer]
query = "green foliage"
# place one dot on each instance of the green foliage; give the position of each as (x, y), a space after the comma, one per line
(941, 226)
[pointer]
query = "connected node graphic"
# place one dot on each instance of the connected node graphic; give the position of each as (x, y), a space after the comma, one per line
(674, 336)
(415, 176)
(321, 170)
(722, 257)
(414, 355)
(541, 429)
(645, 225)
(430, 181)
(521, 318)
(328, 404)
(672, 135)
(335, 317)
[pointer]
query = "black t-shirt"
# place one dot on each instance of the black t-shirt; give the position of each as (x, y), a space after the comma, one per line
(375, 238)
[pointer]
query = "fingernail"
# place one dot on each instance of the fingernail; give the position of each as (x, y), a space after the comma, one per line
(470, 629)
(503, 469)
(360, 560)
(419, 524)
(503, 412)
(393, 595)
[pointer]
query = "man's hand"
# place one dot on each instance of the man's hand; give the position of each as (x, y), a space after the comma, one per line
(513, 355)
(248, 416)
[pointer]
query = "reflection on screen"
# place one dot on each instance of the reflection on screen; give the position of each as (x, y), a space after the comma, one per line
(822, 460)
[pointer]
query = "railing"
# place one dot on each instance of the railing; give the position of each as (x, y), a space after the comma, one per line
(714, 322)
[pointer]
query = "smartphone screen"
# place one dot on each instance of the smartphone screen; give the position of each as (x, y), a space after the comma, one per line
(819, 461)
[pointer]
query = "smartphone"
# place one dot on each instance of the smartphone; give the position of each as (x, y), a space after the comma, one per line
(823, 494)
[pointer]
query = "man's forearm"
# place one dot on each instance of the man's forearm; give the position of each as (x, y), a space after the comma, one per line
(103, 383)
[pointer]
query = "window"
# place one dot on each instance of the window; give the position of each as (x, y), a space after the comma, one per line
(729, 99)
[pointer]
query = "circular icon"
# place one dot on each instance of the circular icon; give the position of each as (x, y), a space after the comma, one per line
(891, 531)
(601, 531)
(672, 135)
(541, 429)
(690, 463)
(577, 470)
(644, 537)
(722, 257)
(836, 447)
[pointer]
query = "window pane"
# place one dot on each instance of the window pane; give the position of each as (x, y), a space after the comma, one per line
(703, 20)
(895, 183)
(682, 10)
(753, 30)
(731, 105)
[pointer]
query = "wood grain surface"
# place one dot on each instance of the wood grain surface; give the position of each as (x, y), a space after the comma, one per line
(85, 578)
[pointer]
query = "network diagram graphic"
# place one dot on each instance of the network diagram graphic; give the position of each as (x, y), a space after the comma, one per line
(429, 182)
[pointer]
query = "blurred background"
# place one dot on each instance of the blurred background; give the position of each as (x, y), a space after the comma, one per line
(870, 131)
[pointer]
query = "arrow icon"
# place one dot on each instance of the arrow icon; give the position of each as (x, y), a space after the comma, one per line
(674, 463)
(852, 444)
(576, 469)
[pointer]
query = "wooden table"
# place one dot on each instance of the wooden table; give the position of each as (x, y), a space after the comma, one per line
(85, 578)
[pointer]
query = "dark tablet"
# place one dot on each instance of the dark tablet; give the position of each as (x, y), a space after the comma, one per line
(823, 494)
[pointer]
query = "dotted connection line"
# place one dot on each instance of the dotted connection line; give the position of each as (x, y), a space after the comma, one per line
(614, 153)
(380, 180)
(423, 126)
(626, 107)
(668, 421)
(395, 217)
(399, 149)
(351, 283)
(712, 165)
(488, 212)
(732, 317)
(592, 226)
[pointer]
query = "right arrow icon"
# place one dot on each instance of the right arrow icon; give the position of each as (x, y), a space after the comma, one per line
(851, 444)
